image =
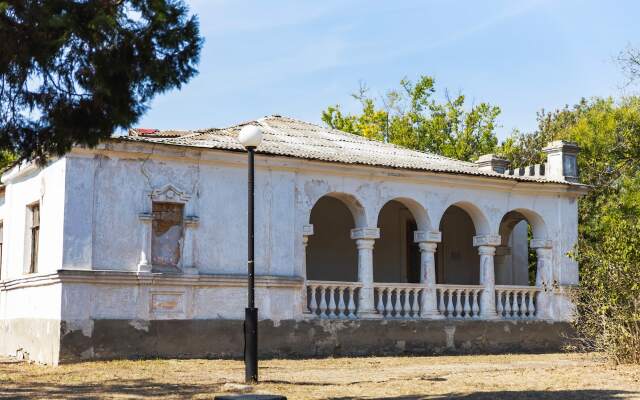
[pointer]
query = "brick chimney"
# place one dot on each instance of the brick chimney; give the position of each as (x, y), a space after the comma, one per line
(562, 160)
(491, 162)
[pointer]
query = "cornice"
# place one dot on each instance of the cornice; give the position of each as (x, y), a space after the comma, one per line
(103, 277)
(237, 159)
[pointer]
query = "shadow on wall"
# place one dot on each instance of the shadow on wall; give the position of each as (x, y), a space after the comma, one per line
(513, 395)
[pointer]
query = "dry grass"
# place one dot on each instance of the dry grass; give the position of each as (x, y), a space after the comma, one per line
(550, 376)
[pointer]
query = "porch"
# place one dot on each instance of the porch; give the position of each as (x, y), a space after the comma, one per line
(404, 269)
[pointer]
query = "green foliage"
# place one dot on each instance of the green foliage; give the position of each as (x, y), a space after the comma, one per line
(409, 116)
(72, 72)
(6, 159)
(608, 250)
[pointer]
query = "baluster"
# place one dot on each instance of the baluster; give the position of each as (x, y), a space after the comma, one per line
(467, 303)
(351, 305)
(441, 308)
(323, 302)
(524, 307)
(332, 302)
(406, 310)
(387, 305)
(476, 301)
(449, 303)
(521, 304)
(458, 308)
(394, 295)
(415, 306)
(500, 306)
(507, 303)
(313, 305)
(380, 306)
(531, 305)
(341, 305)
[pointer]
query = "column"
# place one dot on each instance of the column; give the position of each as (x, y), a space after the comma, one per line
(503, 264)
(188, 264)
(146, 220)
(365, 239)
(544, 277)
(307, 230)
(428, 243)
(487, 249)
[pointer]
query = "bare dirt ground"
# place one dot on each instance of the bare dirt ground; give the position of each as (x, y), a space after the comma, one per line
(548, 376)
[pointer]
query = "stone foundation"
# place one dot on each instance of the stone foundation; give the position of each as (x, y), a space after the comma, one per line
(113, 339)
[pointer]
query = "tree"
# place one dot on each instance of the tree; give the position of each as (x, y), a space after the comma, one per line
(73, 72)
(409, 116)
(608, 250)
(629, 60)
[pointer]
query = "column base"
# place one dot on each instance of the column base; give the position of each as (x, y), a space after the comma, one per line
(368, 315)
(432, 315)
(144, 268)
(490, 316)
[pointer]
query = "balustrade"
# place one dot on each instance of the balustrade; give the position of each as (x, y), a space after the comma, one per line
(329, 299)
(339, 300)
(455, 301)
(517, 302)
(398, 300)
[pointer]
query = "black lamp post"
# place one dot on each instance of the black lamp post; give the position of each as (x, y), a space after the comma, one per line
(250, 137)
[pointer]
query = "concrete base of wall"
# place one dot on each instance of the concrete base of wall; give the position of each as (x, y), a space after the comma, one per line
(110, 339)
(51, 342)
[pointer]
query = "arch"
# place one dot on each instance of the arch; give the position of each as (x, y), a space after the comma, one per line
(480, 221)
(516, 261)
(397, 257)
(416, 209)
(457, 259)
(351, 202)
(538, 226)
(331, 253)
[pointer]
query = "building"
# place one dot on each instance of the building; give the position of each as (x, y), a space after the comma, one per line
(138, 248)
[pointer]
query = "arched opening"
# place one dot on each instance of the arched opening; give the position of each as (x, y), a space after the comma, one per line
(331, 254)
(457, 260)
(396, 257)
(516, 261)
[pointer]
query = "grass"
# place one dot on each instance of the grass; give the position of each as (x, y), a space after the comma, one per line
(548, 376)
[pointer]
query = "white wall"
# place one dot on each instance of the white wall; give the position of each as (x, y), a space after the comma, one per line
(105, 194)
(35, 185)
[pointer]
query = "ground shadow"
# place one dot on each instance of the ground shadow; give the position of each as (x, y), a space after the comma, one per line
(512, 395)
(125, 388)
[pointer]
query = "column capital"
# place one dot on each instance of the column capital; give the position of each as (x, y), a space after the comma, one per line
(191, 221)
(307, 230)
(427, 236)
(428, 247)
(145, 217)
(365, 244)
(486, 250)
(365, 233)
(487, 240)
(541, 244)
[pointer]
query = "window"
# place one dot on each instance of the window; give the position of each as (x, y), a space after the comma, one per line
(167, 235)
(34, 232)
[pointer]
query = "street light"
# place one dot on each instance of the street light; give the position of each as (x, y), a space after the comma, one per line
(250, 137)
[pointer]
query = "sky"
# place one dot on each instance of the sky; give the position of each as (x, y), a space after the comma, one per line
(295, 58)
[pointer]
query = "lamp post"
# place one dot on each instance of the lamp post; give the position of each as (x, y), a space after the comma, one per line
(250, 137)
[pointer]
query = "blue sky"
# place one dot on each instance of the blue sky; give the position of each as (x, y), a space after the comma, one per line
(296, 57)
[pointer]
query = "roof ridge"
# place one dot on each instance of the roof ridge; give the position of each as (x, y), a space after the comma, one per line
(360, 137)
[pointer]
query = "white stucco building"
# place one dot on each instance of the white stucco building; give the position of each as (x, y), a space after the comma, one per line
(138, 248)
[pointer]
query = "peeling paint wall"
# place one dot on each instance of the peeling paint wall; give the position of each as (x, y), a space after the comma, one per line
(93, 218)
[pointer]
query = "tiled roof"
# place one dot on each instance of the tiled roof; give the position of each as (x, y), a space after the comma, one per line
(294, 138)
